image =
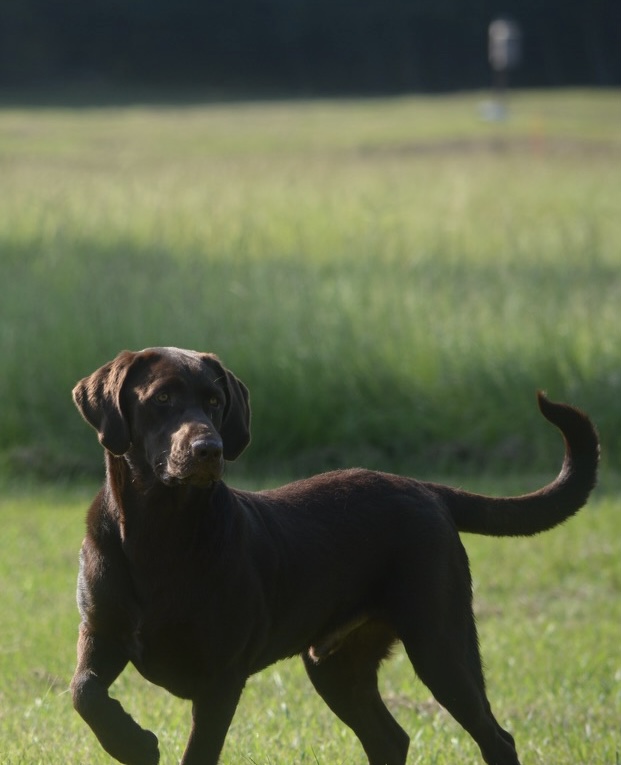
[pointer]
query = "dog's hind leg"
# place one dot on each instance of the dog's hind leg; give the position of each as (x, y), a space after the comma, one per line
(347, 682)
(440, 639)
(452, 683)
(457, 687)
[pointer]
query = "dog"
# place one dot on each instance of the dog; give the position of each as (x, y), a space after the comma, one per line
(199, 585)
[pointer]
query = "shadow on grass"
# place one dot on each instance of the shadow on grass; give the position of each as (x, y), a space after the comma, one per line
(331, 385)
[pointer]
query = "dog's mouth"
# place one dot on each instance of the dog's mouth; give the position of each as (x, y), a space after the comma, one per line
(200, 474)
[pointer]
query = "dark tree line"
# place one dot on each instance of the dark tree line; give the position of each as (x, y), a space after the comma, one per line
(304, 45)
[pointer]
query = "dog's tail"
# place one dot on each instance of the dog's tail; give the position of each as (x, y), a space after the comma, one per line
(543, 509)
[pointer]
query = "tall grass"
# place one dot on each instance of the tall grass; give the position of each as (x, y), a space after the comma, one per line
(392, 278)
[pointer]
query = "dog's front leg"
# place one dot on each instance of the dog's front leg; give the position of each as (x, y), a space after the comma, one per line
(212, 712)
(100, 661)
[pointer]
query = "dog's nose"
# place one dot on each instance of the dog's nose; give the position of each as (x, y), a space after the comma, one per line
(207, 448)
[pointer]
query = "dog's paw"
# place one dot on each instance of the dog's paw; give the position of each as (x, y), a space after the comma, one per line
(135, 747)
(149, 751)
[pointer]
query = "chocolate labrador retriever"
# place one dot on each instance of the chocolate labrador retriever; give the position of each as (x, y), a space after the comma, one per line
(199, 585)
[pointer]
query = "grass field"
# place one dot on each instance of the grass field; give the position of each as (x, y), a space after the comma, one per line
(393, 278)
(549, 611)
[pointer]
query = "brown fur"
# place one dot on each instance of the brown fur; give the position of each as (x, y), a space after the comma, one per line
(199, 585)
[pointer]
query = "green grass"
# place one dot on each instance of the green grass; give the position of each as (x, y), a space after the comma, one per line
(548, 608)
(393, 278)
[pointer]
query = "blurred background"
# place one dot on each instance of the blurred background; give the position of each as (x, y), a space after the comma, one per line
(393, 220)
(304, 46)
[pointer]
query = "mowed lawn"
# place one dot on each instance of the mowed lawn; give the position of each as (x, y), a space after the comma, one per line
(549, 610)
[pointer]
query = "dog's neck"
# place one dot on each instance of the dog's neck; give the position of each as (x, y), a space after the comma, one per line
(136, 490)
(156, 521)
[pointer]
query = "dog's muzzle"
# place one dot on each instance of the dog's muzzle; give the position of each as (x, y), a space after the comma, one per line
(198, 463)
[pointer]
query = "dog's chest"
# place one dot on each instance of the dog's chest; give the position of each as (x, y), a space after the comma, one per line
(168, 652)
(169, 637)
(185, 629)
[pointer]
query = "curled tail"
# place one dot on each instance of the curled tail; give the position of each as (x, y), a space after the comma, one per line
(543, 509)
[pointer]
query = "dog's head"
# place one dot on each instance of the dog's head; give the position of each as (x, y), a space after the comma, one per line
(176, 413)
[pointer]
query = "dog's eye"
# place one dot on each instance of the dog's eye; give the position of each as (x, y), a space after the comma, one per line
(162, 398)
(213, 401)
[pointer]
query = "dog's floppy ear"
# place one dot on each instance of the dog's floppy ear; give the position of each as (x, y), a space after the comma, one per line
(98, 400)
(235, 429)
